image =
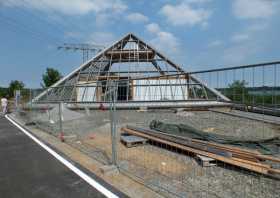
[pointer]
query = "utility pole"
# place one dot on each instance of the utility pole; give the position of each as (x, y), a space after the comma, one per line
(86, 49)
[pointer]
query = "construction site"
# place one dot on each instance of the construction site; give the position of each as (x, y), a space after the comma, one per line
(148, 127)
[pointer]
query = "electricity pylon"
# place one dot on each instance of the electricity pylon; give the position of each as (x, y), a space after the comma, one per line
(86, 49)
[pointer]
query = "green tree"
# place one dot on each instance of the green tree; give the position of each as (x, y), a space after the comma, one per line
(13, 86)
(50, 77)
(3, 92)
(237, 91)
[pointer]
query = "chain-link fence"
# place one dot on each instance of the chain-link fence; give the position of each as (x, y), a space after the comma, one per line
(168, 158)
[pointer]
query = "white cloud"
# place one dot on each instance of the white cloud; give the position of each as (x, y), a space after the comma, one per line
(105, 19)
(215, 43)
(153, 28)
(254, 9)
(137, 18)
(164, 41)
(257, 27)
(71, 7)
(197, 1)
(72, 34)
(102, 38)
(239, 53)
(186, 14)
(240, 37)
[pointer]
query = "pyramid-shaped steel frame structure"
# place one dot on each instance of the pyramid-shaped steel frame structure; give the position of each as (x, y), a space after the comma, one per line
(140, 72)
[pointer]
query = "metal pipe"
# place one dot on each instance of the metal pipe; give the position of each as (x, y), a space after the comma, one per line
(113, 125)
(235, 67)
(60, 121)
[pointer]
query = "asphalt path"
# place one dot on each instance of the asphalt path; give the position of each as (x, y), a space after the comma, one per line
(27, 170)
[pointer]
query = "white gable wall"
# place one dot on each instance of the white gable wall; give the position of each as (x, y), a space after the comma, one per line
(163, 91)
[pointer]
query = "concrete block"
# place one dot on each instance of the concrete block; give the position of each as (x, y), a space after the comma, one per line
(109, 170)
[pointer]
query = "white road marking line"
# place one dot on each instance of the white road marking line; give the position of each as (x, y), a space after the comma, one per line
(80, 173)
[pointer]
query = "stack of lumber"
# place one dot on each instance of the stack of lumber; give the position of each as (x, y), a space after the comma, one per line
(243, 158)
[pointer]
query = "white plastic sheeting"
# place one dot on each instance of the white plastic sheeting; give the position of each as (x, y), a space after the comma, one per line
(86, 93)
(160, 90)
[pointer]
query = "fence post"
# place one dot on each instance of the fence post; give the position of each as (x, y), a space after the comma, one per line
(61, 135)
(113, 124)
(48, 106)
(17, 95)
(30, 105)
(30, 97)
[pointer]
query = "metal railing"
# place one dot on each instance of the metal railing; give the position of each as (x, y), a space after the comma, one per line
(252, 86)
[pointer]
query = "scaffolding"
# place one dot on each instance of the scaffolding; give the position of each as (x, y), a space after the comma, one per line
(143, 77)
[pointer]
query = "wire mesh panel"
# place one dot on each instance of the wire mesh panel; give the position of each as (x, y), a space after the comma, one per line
(174, 170)
(254, 85)
(163, 130)
(162, 163)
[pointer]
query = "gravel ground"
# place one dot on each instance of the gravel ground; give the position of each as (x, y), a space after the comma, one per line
(185, 177)
(207, 121)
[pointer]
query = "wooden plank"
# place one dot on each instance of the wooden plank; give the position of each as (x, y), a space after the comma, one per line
(246, 157)
(130, 55)
(196, 146)
(236, 152)
(253, 163)
(269, 158)
(274, 171)
(267, 167)
(230, 148)
(245, 165)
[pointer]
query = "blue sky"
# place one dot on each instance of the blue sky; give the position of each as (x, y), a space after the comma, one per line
(198, 34)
